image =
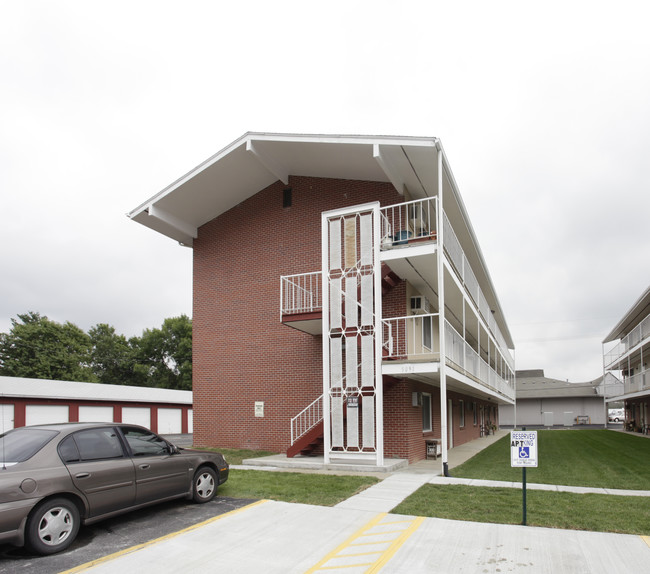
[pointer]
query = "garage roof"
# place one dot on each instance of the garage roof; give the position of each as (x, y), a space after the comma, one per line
(69, 390)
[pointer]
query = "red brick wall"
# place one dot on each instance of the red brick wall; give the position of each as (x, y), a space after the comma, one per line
(242, 353)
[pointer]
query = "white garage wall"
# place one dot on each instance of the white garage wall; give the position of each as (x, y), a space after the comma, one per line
(6, 417)
(170, 421)
(96, 414)
(46, 414)
(137, 416)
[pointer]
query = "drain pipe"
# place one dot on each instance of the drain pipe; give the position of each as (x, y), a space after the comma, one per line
(445, 468)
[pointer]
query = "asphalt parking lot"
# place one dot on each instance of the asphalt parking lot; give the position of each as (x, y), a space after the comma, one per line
(119, 533)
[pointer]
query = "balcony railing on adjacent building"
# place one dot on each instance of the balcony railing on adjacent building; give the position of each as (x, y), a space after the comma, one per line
(637, 335)
(637, 383)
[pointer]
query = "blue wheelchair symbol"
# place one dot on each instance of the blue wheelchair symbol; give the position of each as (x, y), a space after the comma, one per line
(524, 452)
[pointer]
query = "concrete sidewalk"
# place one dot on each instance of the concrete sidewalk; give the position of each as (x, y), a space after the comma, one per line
(279, 537)
(361, 535)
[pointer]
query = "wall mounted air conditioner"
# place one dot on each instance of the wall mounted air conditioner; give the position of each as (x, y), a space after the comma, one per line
(420, 304)
(416, 399)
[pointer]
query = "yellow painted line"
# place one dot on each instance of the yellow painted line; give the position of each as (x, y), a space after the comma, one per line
(132, 549)
(393, 542)
(646, 539)
(395, 546)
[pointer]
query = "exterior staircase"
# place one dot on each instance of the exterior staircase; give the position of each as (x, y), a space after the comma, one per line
(307, 433)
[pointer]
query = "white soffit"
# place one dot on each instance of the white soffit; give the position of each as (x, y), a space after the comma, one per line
(256, 161)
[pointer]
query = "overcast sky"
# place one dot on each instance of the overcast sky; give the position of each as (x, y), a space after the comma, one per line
(543, 110)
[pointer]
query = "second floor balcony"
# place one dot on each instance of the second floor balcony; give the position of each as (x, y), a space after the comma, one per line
(616, 357)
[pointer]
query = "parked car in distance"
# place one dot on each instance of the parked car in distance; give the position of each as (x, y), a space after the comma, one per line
(54, 478)
(616, 415)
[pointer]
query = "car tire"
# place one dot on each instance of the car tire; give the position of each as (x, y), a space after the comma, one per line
(204, 485)
(52, 526)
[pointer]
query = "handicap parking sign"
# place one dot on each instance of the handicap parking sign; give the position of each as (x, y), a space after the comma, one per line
(523, 448)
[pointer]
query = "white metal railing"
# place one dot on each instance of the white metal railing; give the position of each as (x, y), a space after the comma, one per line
(403, 222)
(409, 337)
(307, 419)
(461, 354)
(301, 293)
(463, 268)
(637, 383)
(640, 333)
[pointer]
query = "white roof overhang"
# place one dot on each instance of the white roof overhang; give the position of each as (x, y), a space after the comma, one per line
(257, 160)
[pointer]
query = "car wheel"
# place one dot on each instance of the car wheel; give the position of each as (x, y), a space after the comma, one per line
(205, 485)
(52, 526)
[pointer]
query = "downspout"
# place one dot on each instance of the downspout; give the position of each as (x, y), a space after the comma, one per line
(441, 320)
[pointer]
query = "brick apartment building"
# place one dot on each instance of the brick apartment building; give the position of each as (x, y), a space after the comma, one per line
(331, 274)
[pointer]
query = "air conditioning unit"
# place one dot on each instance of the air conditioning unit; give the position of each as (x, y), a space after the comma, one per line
(420, 304)
(416, 399)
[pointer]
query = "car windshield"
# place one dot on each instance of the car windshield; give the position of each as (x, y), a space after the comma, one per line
(20, 444)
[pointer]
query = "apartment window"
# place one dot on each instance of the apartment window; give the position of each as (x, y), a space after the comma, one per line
(426, 333)
(462, 414)
(475, 410)
(427, 423)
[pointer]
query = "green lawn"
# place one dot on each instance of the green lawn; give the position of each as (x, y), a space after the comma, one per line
(598, 458)
(595, 512)
(307, 488)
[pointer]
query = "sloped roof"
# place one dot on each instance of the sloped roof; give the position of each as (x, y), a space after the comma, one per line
(69, 390)
(257, 160)
(639, 311)
(534, 385)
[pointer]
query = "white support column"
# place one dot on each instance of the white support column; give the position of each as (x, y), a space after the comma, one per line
(379, 331)
(441, 321)
(325, 295)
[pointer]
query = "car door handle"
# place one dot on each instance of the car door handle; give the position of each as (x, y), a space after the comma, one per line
(144, 466)
(82, 475)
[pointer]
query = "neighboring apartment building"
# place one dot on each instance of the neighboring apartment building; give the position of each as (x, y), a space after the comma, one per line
(331, 276)
(546, 402)
(626, 352)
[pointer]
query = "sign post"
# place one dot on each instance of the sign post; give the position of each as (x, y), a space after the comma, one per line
(523, 453)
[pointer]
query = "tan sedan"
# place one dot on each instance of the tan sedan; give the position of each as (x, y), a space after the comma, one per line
(53, 478)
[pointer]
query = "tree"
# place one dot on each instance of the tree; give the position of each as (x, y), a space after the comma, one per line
(39, 348)
(112, 356)
(164, 356)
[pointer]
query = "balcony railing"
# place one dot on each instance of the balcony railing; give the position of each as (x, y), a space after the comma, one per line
(415, 338)
(456, 255)
(640, 333)
(301, 293)
(637, 383)
(462, 355)
(410, 337)
(401, 224)
(405, 222)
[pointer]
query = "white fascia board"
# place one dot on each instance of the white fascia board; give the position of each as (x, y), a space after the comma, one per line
(392, 368)
(340, 138)
(385, 164)
(269, 163)
(178, 224)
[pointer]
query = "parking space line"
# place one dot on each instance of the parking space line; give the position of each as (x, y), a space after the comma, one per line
(386, 536)
(646, 539)
(132, 549)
